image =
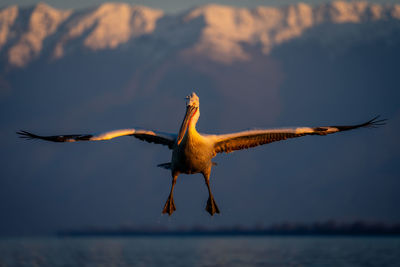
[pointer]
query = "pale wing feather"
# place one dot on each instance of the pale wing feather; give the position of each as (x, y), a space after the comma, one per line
(144, 135)
(247, 139)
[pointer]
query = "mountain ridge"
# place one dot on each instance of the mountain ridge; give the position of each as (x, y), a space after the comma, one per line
(221, 33)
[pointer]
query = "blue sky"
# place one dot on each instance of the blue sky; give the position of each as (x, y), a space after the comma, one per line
(171, 6)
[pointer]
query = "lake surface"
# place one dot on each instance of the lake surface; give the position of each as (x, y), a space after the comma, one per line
(201, 251)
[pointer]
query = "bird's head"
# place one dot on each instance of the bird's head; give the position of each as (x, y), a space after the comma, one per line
(192, 100)
(192, 115)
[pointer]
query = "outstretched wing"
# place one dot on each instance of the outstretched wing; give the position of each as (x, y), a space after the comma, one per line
(144, 135)
(246, 139)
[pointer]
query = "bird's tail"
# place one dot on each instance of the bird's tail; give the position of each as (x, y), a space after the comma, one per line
(165, 165)
(168, 165)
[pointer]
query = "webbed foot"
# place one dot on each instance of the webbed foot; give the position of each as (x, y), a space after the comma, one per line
(169, 206)
(212, 206)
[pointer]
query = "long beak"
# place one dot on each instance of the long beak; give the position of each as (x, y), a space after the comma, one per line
(190, 110)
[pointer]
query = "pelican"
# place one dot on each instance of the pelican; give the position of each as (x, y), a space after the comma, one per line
(192, 152)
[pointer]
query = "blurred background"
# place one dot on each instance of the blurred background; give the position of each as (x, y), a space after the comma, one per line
(68, 67)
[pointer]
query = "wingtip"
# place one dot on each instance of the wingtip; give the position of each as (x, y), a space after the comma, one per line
(25, 135)
(21, 133)
(376, 122)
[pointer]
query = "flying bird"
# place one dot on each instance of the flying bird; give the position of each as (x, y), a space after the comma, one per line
(192, 151)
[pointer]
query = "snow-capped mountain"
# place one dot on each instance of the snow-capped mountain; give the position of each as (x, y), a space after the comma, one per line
(222, 33)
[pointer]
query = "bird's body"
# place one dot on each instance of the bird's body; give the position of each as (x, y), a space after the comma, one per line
(193, 155)
(192, 152)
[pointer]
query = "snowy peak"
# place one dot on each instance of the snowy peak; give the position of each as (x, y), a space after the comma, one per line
(220, 33)
(43, 22)
(227, 29)
(7, 18)
(108, 26)
(23, 31)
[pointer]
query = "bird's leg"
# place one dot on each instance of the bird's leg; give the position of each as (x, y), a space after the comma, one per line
(169, 206)
(211, 205)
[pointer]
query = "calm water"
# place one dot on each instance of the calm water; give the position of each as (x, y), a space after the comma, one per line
(201, 251)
